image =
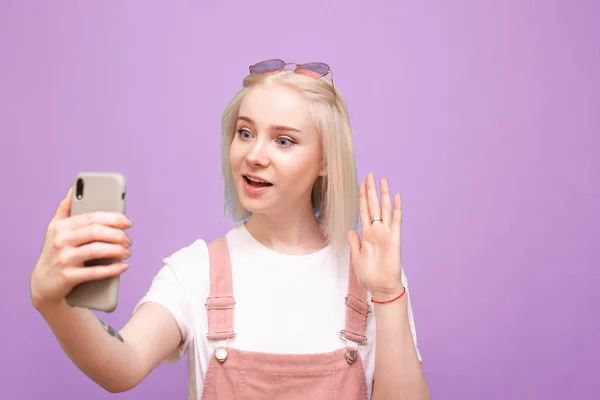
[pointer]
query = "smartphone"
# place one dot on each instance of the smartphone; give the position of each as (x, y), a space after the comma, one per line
(97, 191)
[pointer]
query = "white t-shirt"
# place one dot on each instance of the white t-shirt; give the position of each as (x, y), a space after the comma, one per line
(284, 303)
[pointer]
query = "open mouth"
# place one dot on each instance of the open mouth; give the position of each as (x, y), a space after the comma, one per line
(254, 182)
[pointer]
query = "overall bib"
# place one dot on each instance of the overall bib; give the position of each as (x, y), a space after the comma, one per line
(235, 374)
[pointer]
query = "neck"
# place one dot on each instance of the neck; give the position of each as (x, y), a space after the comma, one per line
(287, 232)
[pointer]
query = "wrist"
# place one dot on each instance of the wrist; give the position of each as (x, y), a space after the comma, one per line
(45, 306)
(388, 296)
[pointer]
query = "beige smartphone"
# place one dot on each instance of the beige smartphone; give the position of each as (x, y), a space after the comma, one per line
(97, 191)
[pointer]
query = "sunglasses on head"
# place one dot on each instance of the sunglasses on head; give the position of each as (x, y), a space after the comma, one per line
(311, 69)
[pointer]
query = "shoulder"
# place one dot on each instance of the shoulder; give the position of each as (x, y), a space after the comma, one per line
(195, 257)
(187, 254)
(187, 259)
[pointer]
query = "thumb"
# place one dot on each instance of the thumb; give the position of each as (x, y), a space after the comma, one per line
(64, 207)
(354, 243)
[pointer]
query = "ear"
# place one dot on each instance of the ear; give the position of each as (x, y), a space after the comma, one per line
(323, 170)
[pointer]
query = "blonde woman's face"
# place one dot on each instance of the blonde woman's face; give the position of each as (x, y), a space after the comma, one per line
(276, 144)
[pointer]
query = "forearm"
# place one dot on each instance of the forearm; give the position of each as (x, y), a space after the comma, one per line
(398, 373)
(97, 349)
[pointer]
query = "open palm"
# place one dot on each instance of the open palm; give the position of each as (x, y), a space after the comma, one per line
(377, 256)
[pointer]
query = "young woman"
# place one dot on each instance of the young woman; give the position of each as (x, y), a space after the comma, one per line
(290, 304)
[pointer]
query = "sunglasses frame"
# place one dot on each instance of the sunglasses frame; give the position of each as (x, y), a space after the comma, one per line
(298, 66)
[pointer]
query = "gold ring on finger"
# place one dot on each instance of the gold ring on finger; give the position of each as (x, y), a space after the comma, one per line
(377, 218)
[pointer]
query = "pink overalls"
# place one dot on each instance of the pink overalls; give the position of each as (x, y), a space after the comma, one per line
(235, 374)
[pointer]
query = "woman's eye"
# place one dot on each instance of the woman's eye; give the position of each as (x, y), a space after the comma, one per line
(284, 142)
(244, 134)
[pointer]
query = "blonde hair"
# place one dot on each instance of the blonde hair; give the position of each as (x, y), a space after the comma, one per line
(335, 195)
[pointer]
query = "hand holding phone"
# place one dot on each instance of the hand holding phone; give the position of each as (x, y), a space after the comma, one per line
(85, 244)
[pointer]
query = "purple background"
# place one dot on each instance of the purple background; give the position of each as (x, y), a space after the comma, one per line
(484, 116)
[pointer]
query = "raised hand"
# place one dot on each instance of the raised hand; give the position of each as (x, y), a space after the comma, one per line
(377, 256)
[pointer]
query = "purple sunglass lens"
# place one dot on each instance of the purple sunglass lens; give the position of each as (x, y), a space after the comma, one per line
(268, 66)
(318, 68)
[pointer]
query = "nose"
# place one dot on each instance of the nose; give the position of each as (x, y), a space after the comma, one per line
(257, 155)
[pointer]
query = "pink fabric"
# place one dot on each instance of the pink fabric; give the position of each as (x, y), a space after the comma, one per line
(221, 302)
(253, 375)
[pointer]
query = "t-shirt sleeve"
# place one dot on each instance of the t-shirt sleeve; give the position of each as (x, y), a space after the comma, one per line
(168, 290)
(411, 318)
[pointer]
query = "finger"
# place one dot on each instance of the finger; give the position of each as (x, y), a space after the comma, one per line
(386, 202)
(94, 251)
(372, 198)
(112, 219)
(397, 218)
(354, 244)
(64, 207)
(75, 276)
(93, 233)
(364, 206)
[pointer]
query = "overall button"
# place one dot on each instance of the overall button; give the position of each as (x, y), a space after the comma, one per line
(221, 354)
(351, 355)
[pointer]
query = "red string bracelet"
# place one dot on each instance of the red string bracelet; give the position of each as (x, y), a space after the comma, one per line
(389, 301)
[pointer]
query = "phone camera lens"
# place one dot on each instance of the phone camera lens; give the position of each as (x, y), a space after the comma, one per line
(79, 189)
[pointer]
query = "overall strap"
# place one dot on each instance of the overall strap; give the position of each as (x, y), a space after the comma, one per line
(357, 310)
(220, 303)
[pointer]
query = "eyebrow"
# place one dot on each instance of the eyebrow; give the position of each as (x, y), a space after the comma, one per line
(273, 127)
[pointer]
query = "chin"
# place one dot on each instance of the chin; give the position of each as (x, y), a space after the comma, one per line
(257, 206)
(255, 209)
(253, 205)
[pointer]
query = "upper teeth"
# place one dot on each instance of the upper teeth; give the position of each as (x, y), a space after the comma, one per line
(255, 180)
